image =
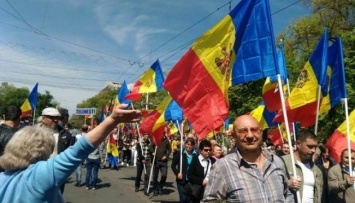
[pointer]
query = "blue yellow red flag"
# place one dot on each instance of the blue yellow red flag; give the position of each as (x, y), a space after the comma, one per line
(31, 102)
(151, 81)
(238, 49)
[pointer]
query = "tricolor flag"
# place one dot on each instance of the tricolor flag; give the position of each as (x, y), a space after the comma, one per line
(302, 102)
(151, 81)
(31, 102)
(112, 151)
(263, 116)
(238, 49)
(154, 124)
(336, 73)
(339, 141)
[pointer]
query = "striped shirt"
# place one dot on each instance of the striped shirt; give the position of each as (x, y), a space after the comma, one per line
(233, 179)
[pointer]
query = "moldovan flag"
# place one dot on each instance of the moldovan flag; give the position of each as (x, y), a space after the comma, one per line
(263, 116)
(112, 151)
(339, 141)
(302, 102)
(336, 73)
(270, 92)
(154, 123)
(238, 49)
(151, 81)
(31, 102)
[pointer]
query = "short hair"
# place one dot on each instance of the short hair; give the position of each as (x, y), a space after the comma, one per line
(303, 134)
(29, 145)
(204, 143)
(323, 148)
(344, 150)
(84, 128)
(63, 112)
(12, 113)
(190, 140)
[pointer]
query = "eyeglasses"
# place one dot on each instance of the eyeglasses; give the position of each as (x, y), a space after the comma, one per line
(244, 131)
(206, 150)
(51, 117)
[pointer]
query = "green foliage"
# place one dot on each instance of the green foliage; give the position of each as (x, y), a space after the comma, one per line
(301, 38)
(10, 95)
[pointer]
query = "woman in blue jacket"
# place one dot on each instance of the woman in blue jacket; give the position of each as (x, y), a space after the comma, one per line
(30, 176)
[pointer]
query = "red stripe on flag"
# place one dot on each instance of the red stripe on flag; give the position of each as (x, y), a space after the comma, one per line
(198, 94)
(337, 143)
(305, 114)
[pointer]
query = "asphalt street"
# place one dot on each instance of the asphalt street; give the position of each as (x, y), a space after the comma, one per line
(117, 186)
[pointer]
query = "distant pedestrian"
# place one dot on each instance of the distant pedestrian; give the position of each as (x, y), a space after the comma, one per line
(161, 165)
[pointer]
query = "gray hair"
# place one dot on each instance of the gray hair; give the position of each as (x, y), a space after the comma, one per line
(29, 145)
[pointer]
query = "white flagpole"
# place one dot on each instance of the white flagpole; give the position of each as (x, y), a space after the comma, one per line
(288, 132)
(181, 144)
(293, 123)
(317, 112)
(348, 135)
(146, 101)
(151, 170)
(34, 116)
(282, 139)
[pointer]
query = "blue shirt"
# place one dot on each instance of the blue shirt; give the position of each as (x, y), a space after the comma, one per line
(40, 181)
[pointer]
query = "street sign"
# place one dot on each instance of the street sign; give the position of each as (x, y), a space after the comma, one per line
(85, 111)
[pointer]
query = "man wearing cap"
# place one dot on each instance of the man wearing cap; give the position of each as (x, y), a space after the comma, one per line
(62, 137)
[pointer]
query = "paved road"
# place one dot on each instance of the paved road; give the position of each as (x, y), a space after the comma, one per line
(117, 186)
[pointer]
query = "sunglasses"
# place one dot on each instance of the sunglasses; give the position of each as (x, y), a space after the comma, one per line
(207, 150)
(244, 131)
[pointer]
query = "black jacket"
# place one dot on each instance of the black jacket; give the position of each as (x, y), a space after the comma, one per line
(65, 139)
(6, 133)
(175, 166)
(196, 172)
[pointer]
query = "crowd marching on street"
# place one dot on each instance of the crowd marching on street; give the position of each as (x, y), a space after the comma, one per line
(242, 167)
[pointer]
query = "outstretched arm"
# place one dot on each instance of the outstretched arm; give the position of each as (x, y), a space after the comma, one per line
(119, 115)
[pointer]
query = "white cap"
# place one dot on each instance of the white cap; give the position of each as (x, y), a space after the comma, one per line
(50, 111)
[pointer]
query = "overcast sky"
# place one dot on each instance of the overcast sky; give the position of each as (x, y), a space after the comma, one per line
(73, 47)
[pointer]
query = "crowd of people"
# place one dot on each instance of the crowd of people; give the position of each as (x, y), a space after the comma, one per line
(245, 167)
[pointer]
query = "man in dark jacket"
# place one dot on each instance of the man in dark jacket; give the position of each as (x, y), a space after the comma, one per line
(145, 150)
(161, 164)
(9, 126)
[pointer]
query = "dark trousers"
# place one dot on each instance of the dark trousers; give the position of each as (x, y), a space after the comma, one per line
(127, 155)
(182, 197)
(92, 168)
(140, 170)
(161, 166)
